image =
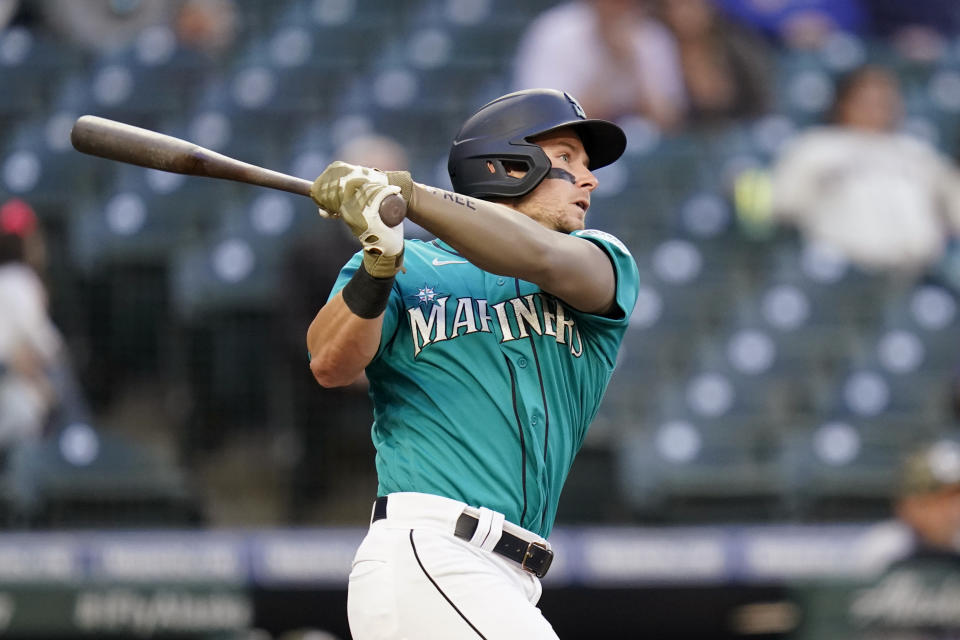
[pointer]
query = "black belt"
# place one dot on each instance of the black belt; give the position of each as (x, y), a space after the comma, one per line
(533, 557)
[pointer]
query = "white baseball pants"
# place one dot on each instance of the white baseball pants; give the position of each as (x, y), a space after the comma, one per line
(412, 579)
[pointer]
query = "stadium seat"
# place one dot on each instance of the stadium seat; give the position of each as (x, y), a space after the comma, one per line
(240, 114)
(32, 65)
(685, 471)
(692, 283)
(807, 331)
(761, 365)
(930, 312)
(82, 477)
(40, 165)
(234, 268)
(841, 470)
(126, 228)
(870, 393)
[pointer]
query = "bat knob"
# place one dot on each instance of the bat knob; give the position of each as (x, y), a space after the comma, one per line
(393, 210)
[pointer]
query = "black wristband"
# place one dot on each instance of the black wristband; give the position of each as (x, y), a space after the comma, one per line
(365, 295)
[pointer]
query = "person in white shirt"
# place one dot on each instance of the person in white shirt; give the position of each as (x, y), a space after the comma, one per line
(886, 200)
(611, 54)
(30, 344)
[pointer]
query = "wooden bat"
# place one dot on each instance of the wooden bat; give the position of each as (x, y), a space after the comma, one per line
(123, 142)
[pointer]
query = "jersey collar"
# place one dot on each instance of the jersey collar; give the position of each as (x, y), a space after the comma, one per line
(440, 244)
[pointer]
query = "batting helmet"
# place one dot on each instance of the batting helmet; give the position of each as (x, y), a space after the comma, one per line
(501, 131)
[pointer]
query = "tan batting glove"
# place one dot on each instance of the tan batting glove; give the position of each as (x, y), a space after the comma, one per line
(355, 194)
(338, 182)
(382, 245)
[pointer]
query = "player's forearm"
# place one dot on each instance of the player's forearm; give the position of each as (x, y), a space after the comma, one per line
(341, 343)
(503, 241)
(493, 237)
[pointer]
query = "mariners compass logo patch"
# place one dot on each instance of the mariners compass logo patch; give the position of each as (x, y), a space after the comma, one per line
(426, 295)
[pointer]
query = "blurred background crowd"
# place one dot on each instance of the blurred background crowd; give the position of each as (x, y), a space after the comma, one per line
(790, 192)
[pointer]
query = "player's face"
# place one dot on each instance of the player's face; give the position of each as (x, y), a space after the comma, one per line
(935, 517)
(561, 203)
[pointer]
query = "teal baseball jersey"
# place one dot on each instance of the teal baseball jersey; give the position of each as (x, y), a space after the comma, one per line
(484, 386)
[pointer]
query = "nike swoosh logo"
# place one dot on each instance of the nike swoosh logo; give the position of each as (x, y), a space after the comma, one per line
(440, 263)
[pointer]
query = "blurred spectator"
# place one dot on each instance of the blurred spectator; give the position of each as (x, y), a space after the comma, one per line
(100, 26)
(617, 59)
(920, 31)
(8, 11)
(918, 596)
(886, 200)
(105, 25)
(726, 69)
(29, 343)
(333, 424)
(379, 151)
(801, 24)
(209, 26)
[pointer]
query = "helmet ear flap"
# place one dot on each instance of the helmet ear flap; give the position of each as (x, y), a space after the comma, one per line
(508, 168)
(508, 175)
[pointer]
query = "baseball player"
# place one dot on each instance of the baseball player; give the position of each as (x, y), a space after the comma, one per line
(488, 351)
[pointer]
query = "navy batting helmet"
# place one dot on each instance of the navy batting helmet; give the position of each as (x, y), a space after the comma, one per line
(501, 131)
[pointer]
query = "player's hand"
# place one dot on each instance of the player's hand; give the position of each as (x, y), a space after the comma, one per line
(355, 194)
(338, 182)
(382, 245)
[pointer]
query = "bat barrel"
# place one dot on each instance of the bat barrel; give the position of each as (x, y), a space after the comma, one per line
(126, 143)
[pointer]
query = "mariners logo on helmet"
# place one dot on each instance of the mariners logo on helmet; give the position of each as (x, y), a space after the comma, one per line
(500, 135)
(577, 109)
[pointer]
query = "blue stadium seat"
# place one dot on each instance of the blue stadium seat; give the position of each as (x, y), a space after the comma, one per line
(32, 66)
(762, 365)
(40, 165)
(121, 87)
(141, 219)
(686, 471)
(693, 284)
(239, 114)
(236, 266)
(82, 477)
(809, 332)
(931, 313)
(840, 470)
(191, 205)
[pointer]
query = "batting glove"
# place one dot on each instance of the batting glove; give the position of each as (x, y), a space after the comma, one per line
(338, 182)
(382, 245)
(355, 194)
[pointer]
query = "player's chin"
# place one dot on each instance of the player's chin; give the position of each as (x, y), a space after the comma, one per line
(572, 222)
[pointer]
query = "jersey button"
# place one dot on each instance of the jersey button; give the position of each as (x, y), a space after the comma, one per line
(522, 362)
(500, 282)
(534, 420)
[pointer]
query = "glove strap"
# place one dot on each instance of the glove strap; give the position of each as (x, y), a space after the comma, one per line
(403, 180)
(365, 295)
(381, 266)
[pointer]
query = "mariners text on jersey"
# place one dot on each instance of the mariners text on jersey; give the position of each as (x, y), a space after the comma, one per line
(519, 317)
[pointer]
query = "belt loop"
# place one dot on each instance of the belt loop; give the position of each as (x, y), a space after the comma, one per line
(379, 509)
(489, 529)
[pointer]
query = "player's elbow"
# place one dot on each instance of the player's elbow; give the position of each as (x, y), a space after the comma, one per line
(328, 375)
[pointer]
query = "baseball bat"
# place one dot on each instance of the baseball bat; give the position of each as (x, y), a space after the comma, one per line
(125, 143)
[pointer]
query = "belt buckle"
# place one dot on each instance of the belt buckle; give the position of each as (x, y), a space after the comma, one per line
(529, 554)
